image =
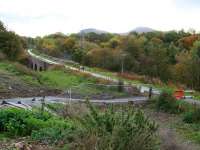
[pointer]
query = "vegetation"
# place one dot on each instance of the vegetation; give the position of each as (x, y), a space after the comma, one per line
(11, 45)
(16, 122)
(62, 79)
(154, 57)
(166, 102)
(170, 56)
(187, 115)
(113, 128)
(119, 128)
(192, 116)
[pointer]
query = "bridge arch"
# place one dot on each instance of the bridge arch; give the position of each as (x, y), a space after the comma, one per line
(36, 67)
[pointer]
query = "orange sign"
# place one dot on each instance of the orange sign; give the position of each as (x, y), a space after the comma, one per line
(179, 94)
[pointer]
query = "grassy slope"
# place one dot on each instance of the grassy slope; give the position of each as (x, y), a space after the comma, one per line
(57, 79)
(78, 82)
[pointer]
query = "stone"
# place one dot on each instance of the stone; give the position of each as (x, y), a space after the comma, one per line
(20, 145)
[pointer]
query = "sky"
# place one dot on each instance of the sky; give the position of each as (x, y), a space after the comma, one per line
(41, 17)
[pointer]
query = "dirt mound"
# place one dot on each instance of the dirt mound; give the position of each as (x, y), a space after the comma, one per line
(11, 86)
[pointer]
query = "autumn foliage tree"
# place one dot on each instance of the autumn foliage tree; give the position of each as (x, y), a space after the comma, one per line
(10, 44)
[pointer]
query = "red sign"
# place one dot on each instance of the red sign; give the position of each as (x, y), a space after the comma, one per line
(179, 94)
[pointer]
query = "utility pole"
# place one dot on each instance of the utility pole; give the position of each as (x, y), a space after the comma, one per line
(122, 62)
(122, 66)
(70, 95)
(42, 104)
(82, 38)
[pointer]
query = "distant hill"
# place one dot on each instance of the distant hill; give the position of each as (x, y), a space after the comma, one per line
(90, 30)
(97, 31)
(143, 30)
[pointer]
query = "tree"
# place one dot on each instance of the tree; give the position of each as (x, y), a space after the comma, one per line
(114, 42)
(172, 51)
(78, 55)
(187, 69)
(68, 45)
(155, 62)
(2, 27)
(10, 44)
(171, 36)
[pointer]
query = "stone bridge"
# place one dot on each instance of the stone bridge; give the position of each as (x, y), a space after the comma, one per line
(40, 62)
(37, 65)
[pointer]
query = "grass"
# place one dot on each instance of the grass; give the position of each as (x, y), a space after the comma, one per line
(186, 121)
(20, 71)
(189, 131)
(62, 79)
(4, 137)
(78, 82)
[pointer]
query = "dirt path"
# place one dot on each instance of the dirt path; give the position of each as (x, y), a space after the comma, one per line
(170, 139)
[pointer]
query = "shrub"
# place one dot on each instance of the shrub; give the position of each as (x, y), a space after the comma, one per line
(123, 128)
(166, 102)
(55, 132)
(192, 116)
(22, 122)
(23, 70)
(16, 68)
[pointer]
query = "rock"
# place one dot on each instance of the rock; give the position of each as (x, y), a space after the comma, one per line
(20, 145)
(29, 147)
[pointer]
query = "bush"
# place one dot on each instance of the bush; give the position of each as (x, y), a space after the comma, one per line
(166, 102)
(23, 70)
(22, 122)
(192, 116)
(123, 128)
(55, 132)
(16, 68)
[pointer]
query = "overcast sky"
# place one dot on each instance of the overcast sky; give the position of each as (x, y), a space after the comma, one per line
(41, 17)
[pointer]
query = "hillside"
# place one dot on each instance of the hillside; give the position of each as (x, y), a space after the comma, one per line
(142, 30)
(92, 30)
(19, 81)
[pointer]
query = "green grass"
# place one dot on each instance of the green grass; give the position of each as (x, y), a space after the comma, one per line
(9, 67)
(189, 131)
(19, 71)
(62, 79)
(78, 82)
(4, 137)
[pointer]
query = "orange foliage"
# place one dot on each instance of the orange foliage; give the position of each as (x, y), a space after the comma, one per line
(189, 41)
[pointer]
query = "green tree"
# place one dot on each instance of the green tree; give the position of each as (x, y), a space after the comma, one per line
(11, 45)
(2, 27)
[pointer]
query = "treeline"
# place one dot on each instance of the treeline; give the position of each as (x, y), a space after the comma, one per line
(11, 45)
(169, 56)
